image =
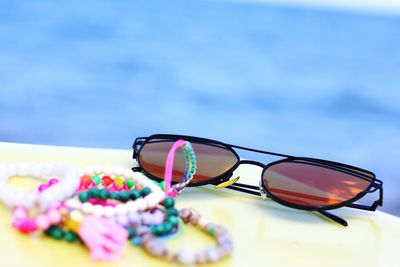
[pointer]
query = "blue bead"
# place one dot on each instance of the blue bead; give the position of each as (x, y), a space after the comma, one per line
(137, 240)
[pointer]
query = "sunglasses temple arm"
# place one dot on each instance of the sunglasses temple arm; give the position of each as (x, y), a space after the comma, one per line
(257, 193)
(233, 187)
(333, 217)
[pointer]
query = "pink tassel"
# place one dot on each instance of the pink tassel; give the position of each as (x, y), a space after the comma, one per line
(105, 238)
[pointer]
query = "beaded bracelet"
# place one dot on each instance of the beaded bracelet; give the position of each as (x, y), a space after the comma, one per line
(22, 221)
(59, 233)
(69, 182)
(103, 177)
(186, 256)
(153, 195)
(190, 169)
(163, 228)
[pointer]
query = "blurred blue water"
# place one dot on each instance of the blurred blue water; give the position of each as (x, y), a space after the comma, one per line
(304, 82)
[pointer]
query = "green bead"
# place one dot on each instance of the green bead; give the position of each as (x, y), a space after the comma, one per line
(70, 237)
(131, 232)
(168, 226)
(158, 229)
(49, 230)
(173, 220)
(163, 229)
(57, 233)
(104, 194)
(124, 195)
(156, 183)
(94, 192)
(172, 212)
(162, 185)
(130, 183)
(114, 195)
(84, 196)
(145, 191)
(169, 202)
(135, 194)
(96, 179)
(211, 230)
(153, 229)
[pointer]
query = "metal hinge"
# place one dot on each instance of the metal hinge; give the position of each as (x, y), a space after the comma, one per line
(262, 191)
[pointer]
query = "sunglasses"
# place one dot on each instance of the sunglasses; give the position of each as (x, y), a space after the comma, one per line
(297, 182)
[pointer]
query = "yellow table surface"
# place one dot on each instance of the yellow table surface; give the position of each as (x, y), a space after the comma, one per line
(265, 233)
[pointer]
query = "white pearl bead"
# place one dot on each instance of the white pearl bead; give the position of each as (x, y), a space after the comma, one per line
(128, 174)
(73, 203)
(202, 222)
(121, 209)
(37, 170)
(4, 167)
(10, 168)
(3, 176)
(30, 199)
(7, 196)
(109, 211)
(70, 186)
(98, 210)
(186, 256)
(141, 203)
(44, 198)
(118, 171)
(47, 170)
(88, 171)
(87, 208)
(131, 206)
(152, 200)
(22, 169)
(98, 169)
(19, 197)
(108, 170)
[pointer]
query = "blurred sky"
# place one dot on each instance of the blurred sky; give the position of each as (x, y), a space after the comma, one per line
(303, 81)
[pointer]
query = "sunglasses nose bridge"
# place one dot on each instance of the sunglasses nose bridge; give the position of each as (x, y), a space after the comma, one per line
(252, 162)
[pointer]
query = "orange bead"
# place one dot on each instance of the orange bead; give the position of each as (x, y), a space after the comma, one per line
(107, 180)
(86, 180)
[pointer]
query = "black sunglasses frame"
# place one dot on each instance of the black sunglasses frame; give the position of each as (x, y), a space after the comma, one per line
(375, 184)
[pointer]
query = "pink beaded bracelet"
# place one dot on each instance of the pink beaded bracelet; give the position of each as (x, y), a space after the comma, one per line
(26, 224)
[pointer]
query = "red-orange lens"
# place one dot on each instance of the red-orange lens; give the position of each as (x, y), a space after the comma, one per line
(307, 184)
(212, 160)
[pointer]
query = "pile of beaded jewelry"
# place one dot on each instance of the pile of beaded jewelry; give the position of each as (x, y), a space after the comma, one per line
(105, 207)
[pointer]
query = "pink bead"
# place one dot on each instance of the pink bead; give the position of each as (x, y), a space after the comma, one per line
(20, 212)
(27, 227)
(172, 193)
(42, 222)
(17, 222)
(54, 216)
(52, 181)
(42, 187)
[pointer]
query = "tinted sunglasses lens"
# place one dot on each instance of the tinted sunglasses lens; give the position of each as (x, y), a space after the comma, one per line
(308, 184)
(212, 160)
